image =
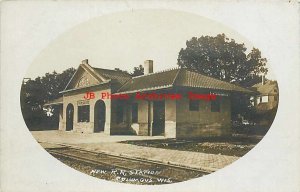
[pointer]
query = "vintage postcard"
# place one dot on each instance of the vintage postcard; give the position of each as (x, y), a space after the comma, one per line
(150, 96)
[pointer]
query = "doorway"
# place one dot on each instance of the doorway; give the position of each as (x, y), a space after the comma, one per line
(70, 117)
(99, 116)
(158, 118)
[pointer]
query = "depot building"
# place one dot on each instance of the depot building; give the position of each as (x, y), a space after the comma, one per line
(172, 118)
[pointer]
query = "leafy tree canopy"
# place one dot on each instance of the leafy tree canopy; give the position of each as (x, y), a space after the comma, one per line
(223, 58)
(35, 93)
(137, 71)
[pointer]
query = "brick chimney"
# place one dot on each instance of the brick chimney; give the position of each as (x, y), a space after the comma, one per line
(85, 61)
(148, 67)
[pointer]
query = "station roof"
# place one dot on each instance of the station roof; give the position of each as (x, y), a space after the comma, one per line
(177, 77)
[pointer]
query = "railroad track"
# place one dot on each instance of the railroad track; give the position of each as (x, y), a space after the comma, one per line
(166, 173)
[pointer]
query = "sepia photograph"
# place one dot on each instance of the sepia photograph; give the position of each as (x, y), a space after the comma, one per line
(149, 96)
(209, 99)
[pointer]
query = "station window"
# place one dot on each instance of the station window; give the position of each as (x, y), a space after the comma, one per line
(119, 113)
(84, 113)
(134, 114)
(215, 105)
(194, 105)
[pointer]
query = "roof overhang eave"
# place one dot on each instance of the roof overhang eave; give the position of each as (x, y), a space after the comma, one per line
(246, 91)
(76, 89)
(148, 89)
(51, 104)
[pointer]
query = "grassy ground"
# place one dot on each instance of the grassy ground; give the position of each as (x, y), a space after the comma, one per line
(251, 129)
(233, 146)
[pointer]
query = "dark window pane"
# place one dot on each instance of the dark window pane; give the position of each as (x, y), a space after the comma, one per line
(134, 113)
(215, 105)
(84, 113)
(194, 105)
(119, 113)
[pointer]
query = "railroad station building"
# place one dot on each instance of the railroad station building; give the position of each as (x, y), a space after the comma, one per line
(179, 118)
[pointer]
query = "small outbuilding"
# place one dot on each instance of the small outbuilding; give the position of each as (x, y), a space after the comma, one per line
(267, 97)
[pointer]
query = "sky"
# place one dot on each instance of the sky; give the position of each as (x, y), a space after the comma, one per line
(125, 40)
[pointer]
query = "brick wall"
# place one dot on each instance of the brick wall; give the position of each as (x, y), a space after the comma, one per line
(203, 122)
(74, 97)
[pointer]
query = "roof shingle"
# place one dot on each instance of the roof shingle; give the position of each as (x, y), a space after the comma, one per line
(119, 77)
(188, 78)
(150, 81)
(177, 78)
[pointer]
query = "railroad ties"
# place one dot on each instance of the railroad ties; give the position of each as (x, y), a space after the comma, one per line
(123, 169)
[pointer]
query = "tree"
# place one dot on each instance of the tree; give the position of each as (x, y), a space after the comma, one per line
(137, 71)
(227, 60)
(223, 58)
(35, 93)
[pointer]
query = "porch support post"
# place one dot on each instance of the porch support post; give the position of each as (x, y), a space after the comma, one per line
(60, 123)
(170, 118)
(150, 118)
